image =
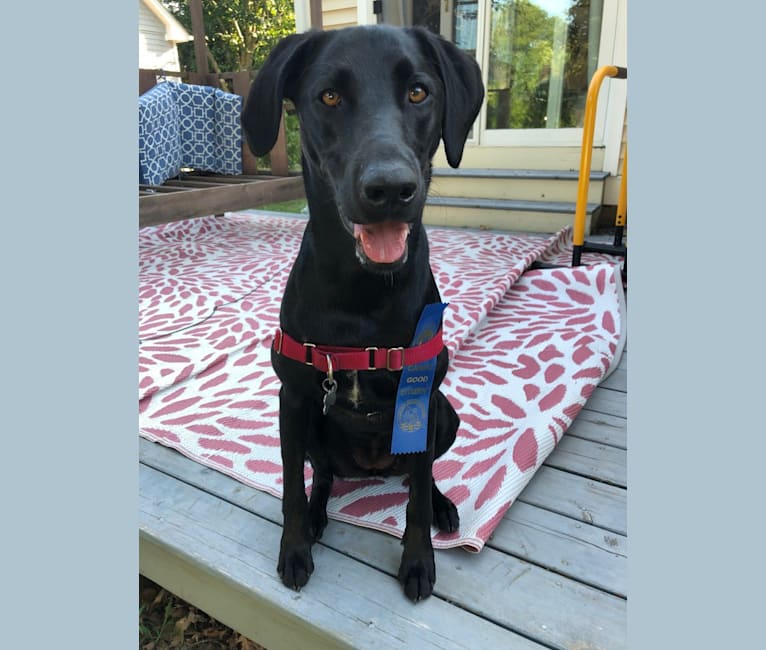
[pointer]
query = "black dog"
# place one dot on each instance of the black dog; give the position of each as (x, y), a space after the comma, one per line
(373, 103)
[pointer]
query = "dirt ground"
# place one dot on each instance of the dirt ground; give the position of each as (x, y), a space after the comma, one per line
(165, 621)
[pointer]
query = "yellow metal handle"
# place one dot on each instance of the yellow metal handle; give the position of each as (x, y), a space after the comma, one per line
(622, 201)
(589, 122)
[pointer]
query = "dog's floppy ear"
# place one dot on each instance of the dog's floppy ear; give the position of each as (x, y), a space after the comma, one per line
(263, 109)
(463, 90)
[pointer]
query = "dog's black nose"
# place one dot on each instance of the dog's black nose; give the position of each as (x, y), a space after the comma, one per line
(387, 186)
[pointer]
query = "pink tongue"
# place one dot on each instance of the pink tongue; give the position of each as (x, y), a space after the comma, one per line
(383, 243)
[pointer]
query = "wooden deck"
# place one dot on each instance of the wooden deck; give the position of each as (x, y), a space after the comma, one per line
(553, 575)
(200, 194)
(197, 193)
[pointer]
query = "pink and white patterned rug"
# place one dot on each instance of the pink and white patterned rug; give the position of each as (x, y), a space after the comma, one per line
(527, 349)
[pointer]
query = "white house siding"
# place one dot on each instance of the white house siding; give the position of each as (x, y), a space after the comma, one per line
(338, 13)
(154, 52)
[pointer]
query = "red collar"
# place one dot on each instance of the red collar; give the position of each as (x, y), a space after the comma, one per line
(343, 358)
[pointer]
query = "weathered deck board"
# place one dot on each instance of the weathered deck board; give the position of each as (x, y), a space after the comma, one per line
(352, 607)
(591, 459)
(577, 497)
(573, 548)
(605, 400)
(462, 577)
(600, 427)
(553, 574)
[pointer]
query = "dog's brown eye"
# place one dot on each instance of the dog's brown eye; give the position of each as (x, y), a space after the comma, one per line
(330, 97)
(418, 93)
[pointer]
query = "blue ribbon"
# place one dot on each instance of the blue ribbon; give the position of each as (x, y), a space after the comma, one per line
(413, 395)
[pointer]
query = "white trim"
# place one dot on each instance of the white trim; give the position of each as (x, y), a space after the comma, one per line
(445, 18)
(609, 117)
(482, 57)
(302, 15)
(478, 125)
(569, 137)
(617, 98)
(558, 59)
(364, 14)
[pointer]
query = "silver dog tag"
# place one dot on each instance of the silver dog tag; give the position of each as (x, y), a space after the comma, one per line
(330, 387)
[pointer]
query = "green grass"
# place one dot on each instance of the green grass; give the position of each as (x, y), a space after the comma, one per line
(295, 205)
(153, 632)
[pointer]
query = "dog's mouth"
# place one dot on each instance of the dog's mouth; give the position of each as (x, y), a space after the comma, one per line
(382, 243)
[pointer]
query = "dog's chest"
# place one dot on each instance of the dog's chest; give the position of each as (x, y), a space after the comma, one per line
(367, 392)
(357, 431)
(353, 392)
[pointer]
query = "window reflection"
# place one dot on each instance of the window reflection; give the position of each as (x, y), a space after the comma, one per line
(541, 58)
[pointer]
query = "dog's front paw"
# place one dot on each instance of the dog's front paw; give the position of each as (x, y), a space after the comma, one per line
(417, 573)
(295, 565)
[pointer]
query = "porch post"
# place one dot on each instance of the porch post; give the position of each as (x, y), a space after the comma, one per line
(316, 13)
(198, 29)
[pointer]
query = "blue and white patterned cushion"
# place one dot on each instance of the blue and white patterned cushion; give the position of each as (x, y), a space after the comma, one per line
(185, 125)
(196, 113)
(159, 144)
(228, 133)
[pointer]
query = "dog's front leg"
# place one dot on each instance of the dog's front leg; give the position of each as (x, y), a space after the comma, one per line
(295, 420)
(417, 571)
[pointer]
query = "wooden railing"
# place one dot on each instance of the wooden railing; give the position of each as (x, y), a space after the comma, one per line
(196, 194)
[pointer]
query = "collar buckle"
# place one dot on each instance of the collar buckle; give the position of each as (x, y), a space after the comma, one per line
(388, 359)
(309, 361)
(371, 364)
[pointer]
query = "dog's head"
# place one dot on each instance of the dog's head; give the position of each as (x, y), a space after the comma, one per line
(373, 103)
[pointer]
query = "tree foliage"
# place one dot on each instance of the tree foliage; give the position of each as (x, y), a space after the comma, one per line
(239, 33)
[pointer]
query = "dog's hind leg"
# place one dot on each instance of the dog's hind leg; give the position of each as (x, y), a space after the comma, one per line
(447, 423)
(320, 493)
(445, 515)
